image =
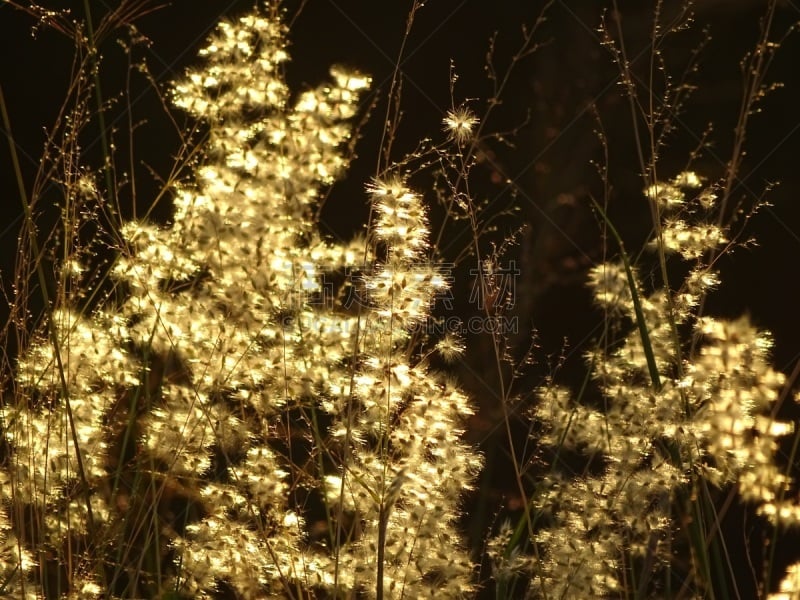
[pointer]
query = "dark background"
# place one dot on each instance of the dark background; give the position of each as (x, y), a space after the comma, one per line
(546, 100)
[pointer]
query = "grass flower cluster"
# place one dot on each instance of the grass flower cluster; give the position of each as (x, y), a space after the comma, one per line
(702, 416)
(227, 423)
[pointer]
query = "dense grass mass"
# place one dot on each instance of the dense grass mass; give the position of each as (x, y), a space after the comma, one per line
(230, 401)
